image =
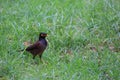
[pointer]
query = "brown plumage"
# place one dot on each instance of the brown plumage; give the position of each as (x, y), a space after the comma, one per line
(38, 47)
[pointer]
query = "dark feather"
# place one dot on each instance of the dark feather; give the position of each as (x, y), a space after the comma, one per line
(32, 47)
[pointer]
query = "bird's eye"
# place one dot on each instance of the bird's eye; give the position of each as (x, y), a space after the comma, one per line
(43, 35)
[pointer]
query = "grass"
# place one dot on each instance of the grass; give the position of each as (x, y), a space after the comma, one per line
(84, 39)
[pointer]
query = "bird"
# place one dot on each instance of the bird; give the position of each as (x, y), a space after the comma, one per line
(39, 46)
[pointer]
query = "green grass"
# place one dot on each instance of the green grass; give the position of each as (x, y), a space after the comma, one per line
(84, 39)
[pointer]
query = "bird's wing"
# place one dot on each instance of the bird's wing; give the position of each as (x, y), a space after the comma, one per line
(34, 46)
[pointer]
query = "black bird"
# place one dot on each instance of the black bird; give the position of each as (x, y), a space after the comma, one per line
(38, 47)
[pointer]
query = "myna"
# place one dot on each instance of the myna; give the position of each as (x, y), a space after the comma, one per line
(38, 47)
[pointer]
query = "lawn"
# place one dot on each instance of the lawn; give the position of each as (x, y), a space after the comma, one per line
(83, 37)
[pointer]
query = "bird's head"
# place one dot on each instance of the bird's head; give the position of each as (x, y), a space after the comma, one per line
(42, 35)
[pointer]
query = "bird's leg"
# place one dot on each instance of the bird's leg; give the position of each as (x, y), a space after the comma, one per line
(42, 60)
(40, 56)
(34, 56)
(34, 62)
